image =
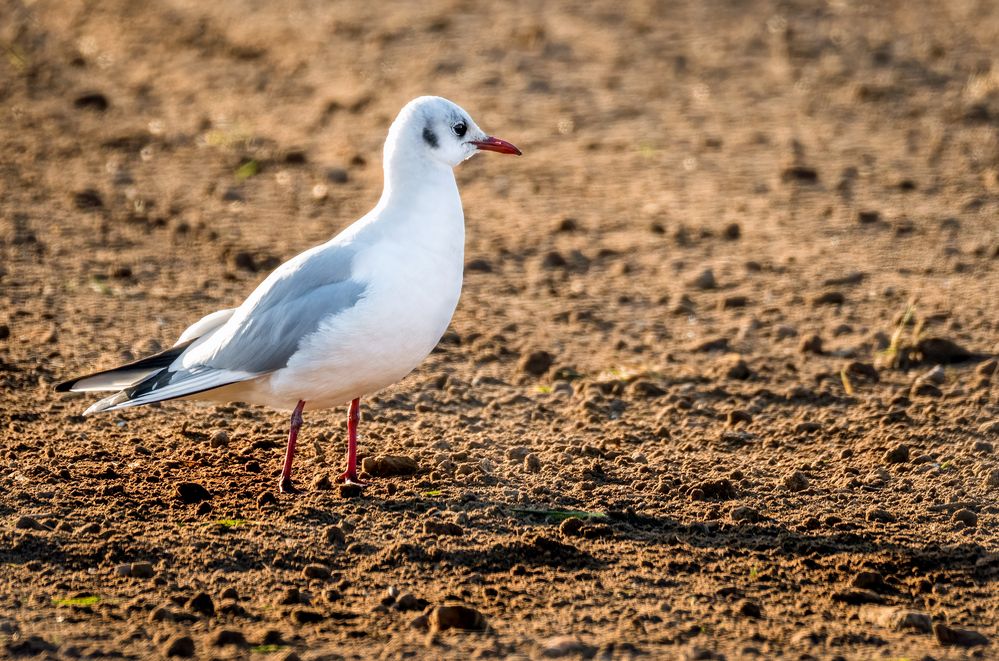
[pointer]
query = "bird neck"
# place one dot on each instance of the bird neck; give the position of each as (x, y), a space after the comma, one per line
(414, 180)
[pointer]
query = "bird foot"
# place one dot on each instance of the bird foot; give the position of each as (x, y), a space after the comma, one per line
(287, 487)
(350, 477)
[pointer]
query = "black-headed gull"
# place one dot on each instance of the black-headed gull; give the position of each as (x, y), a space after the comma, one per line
(341, 320)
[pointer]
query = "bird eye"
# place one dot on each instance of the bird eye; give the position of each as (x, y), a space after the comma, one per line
(459, 129)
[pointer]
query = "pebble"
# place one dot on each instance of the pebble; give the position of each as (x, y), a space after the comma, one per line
(953, 636)
(28, 523)
(734, 367)
(537, 363)
(992, 479)
(880, 515)
(225, 637)
(571, 527)
(750, 609)
(705, 280)
(306, 616)
(316, 571)
(220, 439)
(892, 617)
(455, 616)
(745, 513)
(986, 369)
(796, 481)
(229, 593)
(389, 465)
(182, 646)
(897, 455)
(407, 601)
(201, 603)
(336, 536)
(192, 492)
(829, 298)
(921, 388)
(647, 389)
(531, 463)
(135, 570)
(266, 498)
(567, 645)
(517, 454)
(871, 580)
(442, 528)
(967, 517)
(859, 371)
(736, 416)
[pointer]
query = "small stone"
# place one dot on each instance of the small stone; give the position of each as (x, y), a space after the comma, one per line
(192, 492)
(141, 570)
(201, 603)
(229, 593)
(876, 514)
(735, 367)
(408, 602)
(967, 517)
(796, 481)
(182, 646)
(161, 614)
(897, 455)
(220, 439)
(953, 636)
(316, 571)
(266, 498)
(531, 463)
(987, 368)
(705, 280)
(737, 416)
(28, 523)
(992, 479)
(868, 217)
(647, 389)
(829, 298)
(225, 637)
(455, 616)
(568, 645)
(306, 616)
(442, 528)
(750, 609)
(389, 465)
(537, 363)
(922, 388)
(811, 344)
(571, 527)
(745, 513)
(871, 580)
(335, 536)
(892, 617)
(807, 427)
(990, 427)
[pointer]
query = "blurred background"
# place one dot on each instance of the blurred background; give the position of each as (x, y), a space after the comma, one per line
(681, 301)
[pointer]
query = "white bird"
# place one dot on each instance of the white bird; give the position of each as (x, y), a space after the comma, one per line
(345, 318)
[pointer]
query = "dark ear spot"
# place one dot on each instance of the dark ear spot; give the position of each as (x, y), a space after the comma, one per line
(430, 137)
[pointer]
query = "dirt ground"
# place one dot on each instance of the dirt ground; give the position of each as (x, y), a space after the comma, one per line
(688, 406)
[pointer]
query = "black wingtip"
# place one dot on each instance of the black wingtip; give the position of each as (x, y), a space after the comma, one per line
(65, 386)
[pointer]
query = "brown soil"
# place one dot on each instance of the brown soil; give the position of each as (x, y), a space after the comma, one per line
(771, 477)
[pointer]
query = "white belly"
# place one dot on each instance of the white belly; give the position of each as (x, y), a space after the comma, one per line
(402, 315)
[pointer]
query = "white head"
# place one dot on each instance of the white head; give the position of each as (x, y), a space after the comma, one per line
(440, 130)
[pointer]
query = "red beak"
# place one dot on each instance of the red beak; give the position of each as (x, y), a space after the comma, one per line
(495, 144)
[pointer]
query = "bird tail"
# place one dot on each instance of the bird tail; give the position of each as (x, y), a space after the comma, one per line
(151, 379)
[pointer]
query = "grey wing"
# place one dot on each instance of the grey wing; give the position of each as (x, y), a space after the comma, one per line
(288, 306)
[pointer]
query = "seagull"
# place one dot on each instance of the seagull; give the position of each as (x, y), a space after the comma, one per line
(341, 320)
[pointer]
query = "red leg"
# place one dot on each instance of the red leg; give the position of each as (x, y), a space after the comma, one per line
(353, 417)
(289, 455)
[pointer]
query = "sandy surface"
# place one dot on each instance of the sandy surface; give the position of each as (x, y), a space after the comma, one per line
(725, 214)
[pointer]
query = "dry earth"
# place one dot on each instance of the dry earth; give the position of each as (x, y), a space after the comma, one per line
(704, 311)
